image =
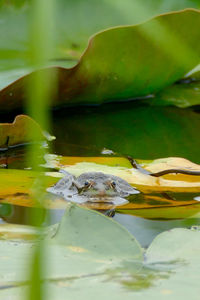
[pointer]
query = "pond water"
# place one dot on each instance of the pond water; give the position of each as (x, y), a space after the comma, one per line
(141, 131)
(144, 132)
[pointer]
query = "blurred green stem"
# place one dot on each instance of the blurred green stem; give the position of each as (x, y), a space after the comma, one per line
(39, 93)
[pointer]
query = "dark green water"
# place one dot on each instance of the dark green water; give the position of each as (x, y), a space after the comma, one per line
(144, 132)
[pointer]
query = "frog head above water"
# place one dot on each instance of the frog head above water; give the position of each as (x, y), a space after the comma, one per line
(93, 187)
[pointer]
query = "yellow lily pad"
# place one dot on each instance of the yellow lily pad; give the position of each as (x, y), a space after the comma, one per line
(156, 193)
(174, 212)
(170, 163)
(121, 167)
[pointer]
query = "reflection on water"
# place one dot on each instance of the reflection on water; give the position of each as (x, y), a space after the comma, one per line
(21, 214)
(145, 230)
(143, 132)
(137, 221)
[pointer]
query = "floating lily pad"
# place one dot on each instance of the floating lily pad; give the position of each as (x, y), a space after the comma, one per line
(18, 232)
(104, 74)
(183, 211)
(168, 163)
(72, 37)
(183, 93)
(179, 94)
(12, 134)
(17, 186)
(157, 197)
(186, 246)
(79, 263)
(157, 200)
(78, 253)
(122, 167)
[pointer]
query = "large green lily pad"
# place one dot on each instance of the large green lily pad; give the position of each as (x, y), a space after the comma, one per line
(72, 36)
(76, 249)
(149, 57)
(91, 255)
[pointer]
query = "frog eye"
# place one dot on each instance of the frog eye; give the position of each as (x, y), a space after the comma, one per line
(113, 184)
(87, 183)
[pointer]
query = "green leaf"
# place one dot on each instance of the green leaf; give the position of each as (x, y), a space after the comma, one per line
(184, 245)
(76, 269)
(86, 243)
(13, 134)
(71, 37)
(184, 93)
(168, 42)
(91, 233)
(179, 94)
(177, 250)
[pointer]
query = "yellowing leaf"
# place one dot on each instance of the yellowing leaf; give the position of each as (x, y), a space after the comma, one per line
(156, 193)
(121, 167)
